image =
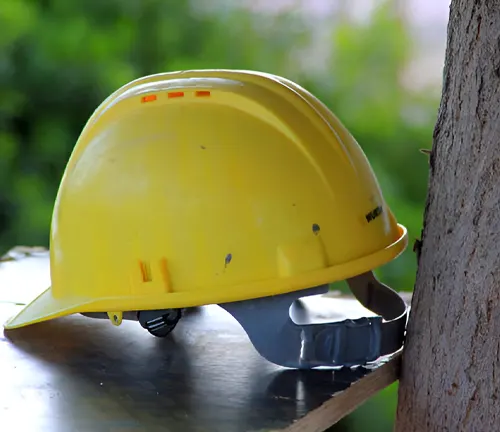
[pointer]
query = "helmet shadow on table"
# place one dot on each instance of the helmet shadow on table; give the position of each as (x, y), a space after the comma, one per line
(203, 376)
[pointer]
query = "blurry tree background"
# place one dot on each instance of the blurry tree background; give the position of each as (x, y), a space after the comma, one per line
(59, 59)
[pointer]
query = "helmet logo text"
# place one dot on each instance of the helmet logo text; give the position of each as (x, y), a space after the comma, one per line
(374, 214)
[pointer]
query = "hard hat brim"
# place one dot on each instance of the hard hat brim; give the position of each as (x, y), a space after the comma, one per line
(43, 308)
(46, 306)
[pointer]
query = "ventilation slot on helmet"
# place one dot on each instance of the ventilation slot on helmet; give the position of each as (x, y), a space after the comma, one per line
(202, 93)
(145, 271)
(148, 98)
(175, 94)
(165, 274)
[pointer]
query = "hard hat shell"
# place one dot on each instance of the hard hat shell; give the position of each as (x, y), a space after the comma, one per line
(210, 186)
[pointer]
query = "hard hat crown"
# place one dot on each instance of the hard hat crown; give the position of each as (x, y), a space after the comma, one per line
(210, 187)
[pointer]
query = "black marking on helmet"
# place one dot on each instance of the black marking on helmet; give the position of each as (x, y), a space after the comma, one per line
(316, 229)
(228, 259)
(374, 214)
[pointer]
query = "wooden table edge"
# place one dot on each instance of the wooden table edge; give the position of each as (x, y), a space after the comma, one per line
(344, 403)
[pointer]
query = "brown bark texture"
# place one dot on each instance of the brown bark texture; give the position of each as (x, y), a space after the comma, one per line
(451, 371)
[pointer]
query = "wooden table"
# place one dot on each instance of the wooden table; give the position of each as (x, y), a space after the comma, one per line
(82, 374)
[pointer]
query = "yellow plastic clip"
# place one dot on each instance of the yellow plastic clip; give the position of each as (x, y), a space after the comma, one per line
(115, 318)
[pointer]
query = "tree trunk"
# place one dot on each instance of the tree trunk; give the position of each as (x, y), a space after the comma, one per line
(451, 369)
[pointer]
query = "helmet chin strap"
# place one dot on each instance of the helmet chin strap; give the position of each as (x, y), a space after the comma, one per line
(287, 336)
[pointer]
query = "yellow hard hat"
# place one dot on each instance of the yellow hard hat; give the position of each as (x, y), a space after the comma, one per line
(220, 187)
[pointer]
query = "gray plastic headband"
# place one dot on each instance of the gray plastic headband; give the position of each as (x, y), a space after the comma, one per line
(271, 324)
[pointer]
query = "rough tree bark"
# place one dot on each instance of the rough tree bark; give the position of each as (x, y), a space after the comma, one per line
(451, 370)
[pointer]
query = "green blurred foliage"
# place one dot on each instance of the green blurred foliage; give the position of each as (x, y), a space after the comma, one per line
(59, 59)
